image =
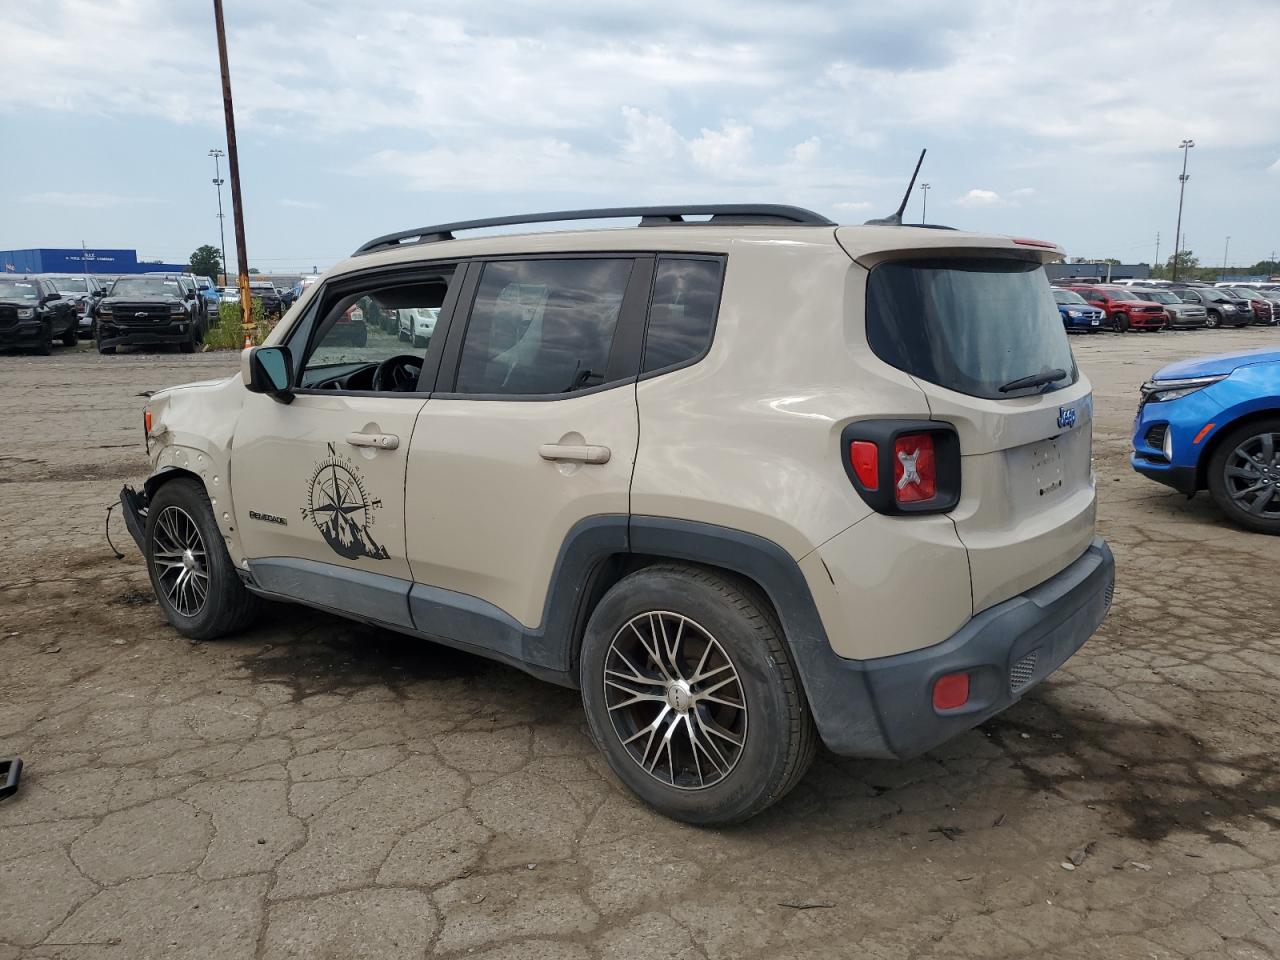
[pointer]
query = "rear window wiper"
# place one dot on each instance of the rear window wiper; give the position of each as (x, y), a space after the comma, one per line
(1034, 380)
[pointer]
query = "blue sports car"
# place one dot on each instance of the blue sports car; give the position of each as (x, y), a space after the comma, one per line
(1214, 423)
(1077, 312)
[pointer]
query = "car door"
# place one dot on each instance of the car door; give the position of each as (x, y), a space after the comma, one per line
(318, 483)
(529, 437)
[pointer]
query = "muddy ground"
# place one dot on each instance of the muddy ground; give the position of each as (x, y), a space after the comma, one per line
(321, 789)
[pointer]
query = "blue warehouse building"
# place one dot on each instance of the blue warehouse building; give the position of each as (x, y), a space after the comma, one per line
(76, 260)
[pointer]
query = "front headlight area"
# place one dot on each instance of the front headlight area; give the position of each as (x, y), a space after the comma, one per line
(1161, 391)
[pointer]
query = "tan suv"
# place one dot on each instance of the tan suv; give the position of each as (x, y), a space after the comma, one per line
(747, 482)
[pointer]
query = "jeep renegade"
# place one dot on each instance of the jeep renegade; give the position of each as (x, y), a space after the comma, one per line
(747, 481)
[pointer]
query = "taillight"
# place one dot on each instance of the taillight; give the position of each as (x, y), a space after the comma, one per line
(864, 457)
(903, 466)
(915, 471)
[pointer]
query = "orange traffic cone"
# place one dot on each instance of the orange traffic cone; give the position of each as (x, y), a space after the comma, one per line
(248, 340)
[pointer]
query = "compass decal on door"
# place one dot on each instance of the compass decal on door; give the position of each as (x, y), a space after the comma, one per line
(341, 508)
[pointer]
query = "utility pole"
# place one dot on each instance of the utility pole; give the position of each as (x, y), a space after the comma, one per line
(924, 196)
(1184, 146)
(1225, 250)
(222, 228)
(1157, 263)
(233, 161)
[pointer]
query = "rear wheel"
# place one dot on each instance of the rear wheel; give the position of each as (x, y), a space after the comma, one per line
(45, 345)
(691, 696)
(191, 572)
(1119, 322)
(1244, 475)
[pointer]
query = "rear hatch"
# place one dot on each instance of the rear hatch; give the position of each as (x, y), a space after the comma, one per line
(970, 325)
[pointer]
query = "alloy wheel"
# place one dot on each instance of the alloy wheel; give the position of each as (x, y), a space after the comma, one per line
(1253, 476)
(181, 561)
(675, 700)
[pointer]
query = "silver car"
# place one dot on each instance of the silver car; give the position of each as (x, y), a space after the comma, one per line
(1182, 316)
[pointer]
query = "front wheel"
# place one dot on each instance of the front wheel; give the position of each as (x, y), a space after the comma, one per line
(1119, 322)
(1212, 320)
(72, 336)
(691, 696)
(45, 347)
(191, 572)
(1244, 475)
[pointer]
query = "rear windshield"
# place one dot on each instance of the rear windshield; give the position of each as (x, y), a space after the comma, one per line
(969, 324)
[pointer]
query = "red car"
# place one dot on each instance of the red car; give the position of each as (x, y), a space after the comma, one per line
(1124, 310)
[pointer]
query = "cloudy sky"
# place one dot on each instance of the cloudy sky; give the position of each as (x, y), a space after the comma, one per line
(1045, 119)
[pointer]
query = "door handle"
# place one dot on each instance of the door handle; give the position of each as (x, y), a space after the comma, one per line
(583, 453)
(382, 441)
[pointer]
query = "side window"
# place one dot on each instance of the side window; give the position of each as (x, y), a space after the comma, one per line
(542, 326)
(375, 338)
(682, 314)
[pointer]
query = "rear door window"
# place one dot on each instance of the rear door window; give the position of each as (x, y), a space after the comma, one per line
(542, 327)
(972, 325)
(682, 313)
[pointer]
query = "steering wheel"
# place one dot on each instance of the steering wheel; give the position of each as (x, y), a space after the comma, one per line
(399, 374)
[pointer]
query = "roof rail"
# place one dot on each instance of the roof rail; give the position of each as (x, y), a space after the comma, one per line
(720, 213)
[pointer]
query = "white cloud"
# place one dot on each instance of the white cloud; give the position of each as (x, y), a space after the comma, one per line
(978, 197)
(724, 153)
(299, 204)
(807, 151)
(1274, 168)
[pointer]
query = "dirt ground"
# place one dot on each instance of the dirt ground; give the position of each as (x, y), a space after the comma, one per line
(321, 789)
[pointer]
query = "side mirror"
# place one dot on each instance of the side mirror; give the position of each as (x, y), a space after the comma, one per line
(269, 371)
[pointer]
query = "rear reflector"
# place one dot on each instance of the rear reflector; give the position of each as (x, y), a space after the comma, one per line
(864, 457)
(915, 471)
(951, 691)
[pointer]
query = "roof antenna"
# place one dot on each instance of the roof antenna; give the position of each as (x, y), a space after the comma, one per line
(895, 219)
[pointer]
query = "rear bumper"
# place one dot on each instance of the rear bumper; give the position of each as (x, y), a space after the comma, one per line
(884, 707)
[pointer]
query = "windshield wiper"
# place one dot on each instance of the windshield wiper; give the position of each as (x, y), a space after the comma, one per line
(1035, 380)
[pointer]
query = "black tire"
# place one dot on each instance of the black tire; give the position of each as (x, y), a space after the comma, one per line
(419, 342)
(401, 336)
(777, 744)
(45, 347)
(106, 351)
(227, 606)
(362, 339)
(1221, 485)
(1212, 320)
(1119, 323)
(72, 336)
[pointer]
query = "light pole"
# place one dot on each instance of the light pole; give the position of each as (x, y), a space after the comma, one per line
(1157, 262)
(1225, 250)
(924, 198)
(222, 233)
(1184, 146)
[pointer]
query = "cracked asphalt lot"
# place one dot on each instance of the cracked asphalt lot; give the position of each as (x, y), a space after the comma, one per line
(321, 789)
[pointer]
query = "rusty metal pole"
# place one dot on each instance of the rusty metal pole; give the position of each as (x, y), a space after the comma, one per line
(233, 161)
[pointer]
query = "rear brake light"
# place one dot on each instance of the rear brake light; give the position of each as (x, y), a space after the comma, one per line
(864, 456)
(1027, 242)
(951, 691)
(915, 469)
(903, 466)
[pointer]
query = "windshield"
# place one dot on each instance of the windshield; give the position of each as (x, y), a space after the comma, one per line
(18, 290)
(1216, 296)
(968, 324)
(70, 285)
(1068, 296)
(145, 287)
(1246, 293)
